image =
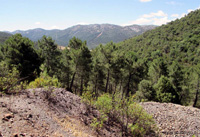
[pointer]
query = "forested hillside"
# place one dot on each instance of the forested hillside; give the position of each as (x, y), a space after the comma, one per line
(4, 36)
(171, 53)
(161, 65)
(94, 34)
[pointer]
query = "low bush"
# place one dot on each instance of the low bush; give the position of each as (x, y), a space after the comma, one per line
(44, 81)
(9, 79)
(134, 120)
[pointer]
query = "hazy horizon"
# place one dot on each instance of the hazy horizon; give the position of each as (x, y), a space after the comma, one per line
(62, 14)
(81, 25)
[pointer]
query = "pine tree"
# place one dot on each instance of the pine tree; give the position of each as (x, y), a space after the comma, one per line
(50, 54)
(19, 51)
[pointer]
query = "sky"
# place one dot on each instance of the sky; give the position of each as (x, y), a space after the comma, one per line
(61, 14)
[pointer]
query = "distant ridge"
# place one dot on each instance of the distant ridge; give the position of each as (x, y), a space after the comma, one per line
(4, 36)
(94, 34)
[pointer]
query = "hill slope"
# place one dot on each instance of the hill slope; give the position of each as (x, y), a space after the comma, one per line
(4, 36)
(173, 119)
(32, 113)
(93, 34)
(179, 40)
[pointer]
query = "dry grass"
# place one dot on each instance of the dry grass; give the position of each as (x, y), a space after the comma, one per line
(75, 127)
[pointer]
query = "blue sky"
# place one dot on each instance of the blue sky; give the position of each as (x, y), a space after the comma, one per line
(61, 14)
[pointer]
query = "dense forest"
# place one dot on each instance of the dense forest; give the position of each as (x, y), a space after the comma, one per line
(160, 65)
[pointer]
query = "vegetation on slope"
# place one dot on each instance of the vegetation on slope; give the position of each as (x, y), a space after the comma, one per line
(4, 36)
(171, 51)
(160, 65)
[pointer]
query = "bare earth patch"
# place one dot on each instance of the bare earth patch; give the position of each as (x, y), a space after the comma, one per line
(31, 114)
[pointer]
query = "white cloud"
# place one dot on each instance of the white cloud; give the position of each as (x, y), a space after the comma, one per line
(175, 15)
(173, 3)
(82, 23)
(160, 21)
(160, 13)
(157, 18)
(189, 10)
(37, 23)
(141, 21)
(54, 27)
(145, 0)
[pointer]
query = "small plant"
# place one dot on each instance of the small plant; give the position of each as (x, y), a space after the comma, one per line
(87, 96)
(103, 103)
(98, 124)
(9, 78)
(132, 117)
(44, 81)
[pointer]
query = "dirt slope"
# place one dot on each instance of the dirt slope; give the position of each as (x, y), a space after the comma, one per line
(36, 113)
(30, 114)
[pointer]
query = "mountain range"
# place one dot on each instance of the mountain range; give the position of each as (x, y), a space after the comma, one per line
(94, 34)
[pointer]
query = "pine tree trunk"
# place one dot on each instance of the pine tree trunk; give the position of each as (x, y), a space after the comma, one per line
(72, 82)
(196, 95)
(95, 87)
(128, 85)
(81, 90)
(107, 81)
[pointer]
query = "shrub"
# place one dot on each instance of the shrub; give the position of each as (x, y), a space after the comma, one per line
(8, 78)
(146, 91)
(142, 122)
(88, 96)
(104, 103)
(165, 91)
(44, 81)
(134, 120)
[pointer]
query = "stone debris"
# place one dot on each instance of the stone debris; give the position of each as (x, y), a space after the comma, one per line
(173, 119)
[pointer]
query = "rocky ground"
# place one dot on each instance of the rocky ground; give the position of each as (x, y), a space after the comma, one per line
(173, 119)
(33, 114)
(59, 113)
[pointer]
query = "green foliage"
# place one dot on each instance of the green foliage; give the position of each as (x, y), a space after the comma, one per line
(103, 103)
(66, 69)
(98, 123)
(88, 96)
(8, 78)
(50, 55)
(18, 51)
(81, 60)
(4, 36)
(146, 91)
(135, 121)
(75, 43)
(142, 121)
(44, 81)
(195, 85)
(165, 91)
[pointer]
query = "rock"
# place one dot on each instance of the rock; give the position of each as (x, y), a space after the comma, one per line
(15, 135)
(7, 117)
(23, 134)
(173, 117)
